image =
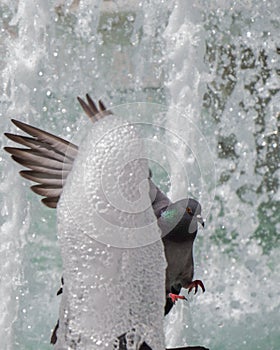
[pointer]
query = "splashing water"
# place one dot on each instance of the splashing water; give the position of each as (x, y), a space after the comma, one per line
(216, 66)
(113, 257)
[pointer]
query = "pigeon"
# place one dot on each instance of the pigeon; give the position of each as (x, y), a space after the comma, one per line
(178, 247)
(49, 160)
(179, 224)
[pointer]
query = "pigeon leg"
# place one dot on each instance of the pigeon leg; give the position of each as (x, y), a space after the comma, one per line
(175, 297)
(194, 285)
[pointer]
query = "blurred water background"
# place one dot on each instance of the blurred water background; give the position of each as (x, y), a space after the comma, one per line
(216, 63)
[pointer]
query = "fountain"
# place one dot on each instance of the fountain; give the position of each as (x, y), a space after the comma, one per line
(210, 70)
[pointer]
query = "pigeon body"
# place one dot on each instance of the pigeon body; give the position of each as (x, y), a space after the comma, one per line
(178, 242)
(50, 160)
(179, 224)
(178, 245)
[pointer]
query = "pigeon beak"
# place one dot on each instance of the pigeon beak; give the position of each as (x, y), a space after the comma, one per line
(200, 220)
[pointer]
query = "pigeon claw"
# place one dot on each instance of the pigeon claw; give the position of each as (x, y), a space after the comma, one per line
(194, 285)
(175, 297)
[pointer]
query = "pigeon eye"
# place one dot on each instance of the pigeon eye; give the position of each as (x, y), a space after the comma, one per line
(188, 210)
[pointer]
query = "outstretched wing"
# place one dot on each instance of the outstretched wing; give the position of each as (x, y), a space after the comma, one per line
(49, 158)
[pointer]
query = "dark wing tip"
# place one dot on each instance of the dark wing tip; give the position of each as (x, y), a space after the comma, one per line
(92, 105)
(13, 150)
(12, 137)
(102, 106)
(50, 202)
(14, 121)
(86, 109)
(19, 124)
(90, 100)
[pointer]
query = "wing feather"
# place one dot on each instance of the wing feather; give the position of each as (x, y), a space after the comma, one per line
(43, 178)
(92, 106)
(34, 157)
(49, 158)
(91, 109)
(40, 147)
(43, 169)
(47, 190)
(60, 145)
(51, 202)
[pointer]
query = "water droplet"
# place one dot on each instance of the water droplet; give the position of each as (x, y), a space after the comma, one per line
(130, 18)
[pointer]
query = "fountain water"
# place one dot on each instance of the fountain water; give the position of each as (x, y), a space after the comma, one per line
(216, 64)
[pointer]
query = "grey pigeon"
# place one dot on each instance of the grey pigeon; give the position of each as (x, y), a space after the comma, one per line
(50, 159)
(179, 224)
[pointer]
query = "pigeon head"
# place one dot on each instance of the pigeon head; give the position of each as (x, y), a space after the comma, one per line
(179, 221)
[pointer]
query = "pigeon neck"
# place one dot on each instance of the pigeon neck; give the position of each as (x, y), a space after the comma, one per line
(180, 235)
